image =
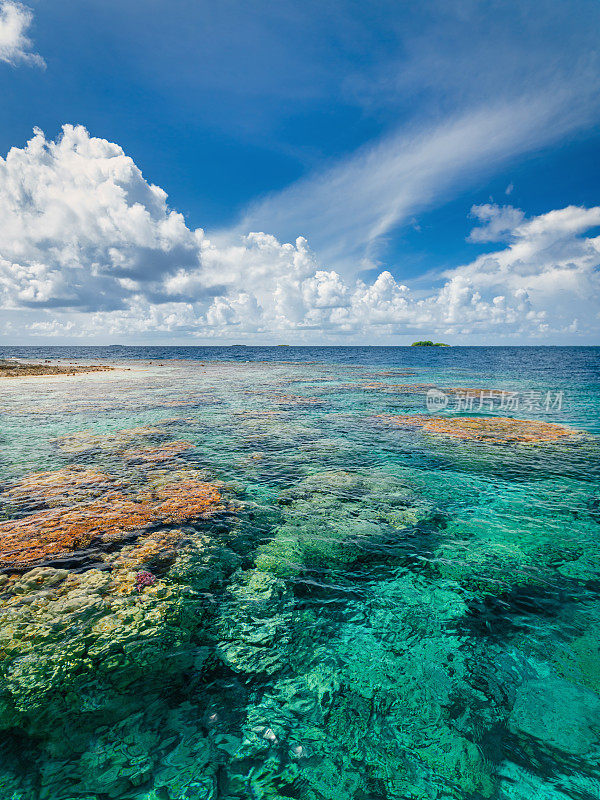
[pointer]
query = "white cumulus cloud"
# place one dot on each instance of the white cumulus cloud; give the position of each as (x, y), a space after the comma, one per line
(90, 249)
(81, 227)
(15, 45)
(497, 222)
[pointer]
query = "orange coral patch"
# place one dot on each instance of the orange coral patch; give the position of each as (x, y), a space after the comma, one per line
(486, 429)
(181, 500)
(50, 535)
(60, 486)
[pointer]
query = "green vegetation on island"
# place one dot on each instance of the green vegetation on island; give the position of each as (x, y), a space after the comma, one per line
(428, 343)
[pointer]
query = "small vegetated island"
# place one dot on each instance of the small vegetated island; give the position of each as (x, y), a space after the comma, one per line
(428, 343)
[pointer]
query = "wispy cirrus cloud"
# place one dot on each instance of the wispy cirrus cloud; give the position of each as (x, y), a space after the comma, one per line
(15, 46)
(346, 209)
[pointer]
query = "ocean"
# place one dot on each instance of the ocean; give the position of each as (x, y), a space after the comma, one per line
(324, 573)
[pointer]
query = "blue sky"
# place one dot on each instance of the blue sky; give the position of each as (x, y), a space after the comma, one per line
(370, 130)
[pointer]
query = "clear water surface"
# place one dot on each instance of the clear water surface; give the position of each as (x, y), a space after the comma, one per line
(227, 573)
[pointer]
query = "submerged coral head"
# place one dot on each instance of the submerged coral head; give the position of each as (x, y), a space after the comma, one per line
(144, 578)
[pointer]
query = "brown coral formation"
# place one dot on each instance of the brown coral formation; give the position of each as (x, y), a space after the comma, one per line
(60, 487)
(50, 535)
(81, 441)
(500, 430)
(157, 545)
(155, 455)
(58, 535)
(423, 388)
(186, 499)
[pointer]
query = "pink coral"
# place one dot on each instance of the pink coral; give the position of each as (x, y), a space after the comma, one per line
(144, 578)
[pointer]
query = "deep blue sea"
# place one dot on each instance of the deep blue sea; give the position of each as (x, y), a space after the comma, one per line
(323, 573)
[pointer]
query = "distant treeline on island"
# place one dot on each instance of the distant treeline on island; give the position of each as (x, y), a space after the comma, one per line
(427, 343)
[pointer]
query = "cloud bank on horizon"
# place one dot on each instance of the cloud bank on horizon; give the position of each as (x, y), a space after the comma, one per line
(89, 248)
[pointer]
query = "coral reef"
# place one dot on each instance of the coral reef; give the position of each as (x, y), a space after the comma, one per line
(254, 624)
(281, 399)
(423, 388)
(81, 532)
(154, 455)
(83, 441)
(335, 517)
(62, 487)
(84, 659)
(500, 430)
(144, 578)
(87, 657)
(326, 610)
(341, 722)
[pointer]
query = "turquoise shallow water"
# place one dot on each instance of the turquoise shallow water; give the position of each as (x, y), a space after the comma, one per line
(369, 611)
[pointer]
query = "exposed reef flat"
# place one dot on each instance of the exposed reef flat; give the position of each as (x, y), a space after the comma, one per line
(20, 369)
